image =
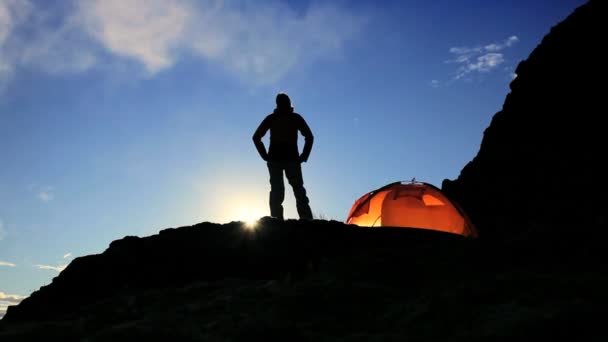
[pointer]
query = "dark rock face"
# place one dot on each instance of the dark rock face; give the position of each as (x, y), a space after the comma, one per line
(542, 157)
(540, 165)
(206, 252)
(320, 281)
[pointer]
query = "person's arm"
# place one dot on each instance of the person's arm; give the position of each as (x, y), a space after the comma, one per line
(308, 140)
(257, 138)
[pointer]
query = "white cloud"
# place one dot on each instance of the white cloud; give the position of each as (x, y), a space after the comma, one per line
(7, 300)
(480, 59)
(43, 193)
(266, 44)
(497, 47)
(67, 255)
(262, 41)
(145, 30)
(10, 298)
(483, 63)
(42, 38)
(6, 263)
(487, 62)
(511, 40)
(45, 196)
(434, 83)
(62, 49)
(50, 267)
(12, 13)
(2, 230)
(259, 42)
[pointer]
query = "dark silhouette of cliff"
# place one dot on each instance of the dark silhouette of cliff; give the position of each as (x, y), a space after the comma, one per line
(535, 189)
(205, 252)
(541, 161)
(319, 281)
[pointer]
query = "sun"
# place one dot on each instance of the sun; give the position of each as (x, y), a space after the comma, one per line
(250, 216)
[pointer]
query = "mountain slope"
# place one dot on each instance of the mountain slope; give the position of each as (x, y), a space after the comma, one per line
(542, 157)
(319, 281)
(535, 189)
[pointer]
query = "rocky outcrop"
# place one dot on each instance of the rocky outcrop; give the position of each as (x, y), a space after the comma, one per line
(320, 281)
(540, 165)
(207, 252)
(542, 159)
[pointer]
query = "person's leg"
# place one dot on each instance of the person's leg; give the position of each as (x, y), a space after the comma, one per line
(293, 171)
(277, 189)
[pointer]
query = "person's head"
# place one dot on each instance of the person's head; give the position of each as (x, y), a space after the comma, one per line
(283, 102)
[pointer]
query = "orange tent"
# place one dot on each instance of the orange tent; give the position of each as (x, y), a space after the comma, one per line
(413, 205)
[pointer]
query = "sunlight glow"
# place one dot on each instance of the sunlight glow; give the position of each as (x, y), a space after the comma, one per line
(251, 224)
(250, 216)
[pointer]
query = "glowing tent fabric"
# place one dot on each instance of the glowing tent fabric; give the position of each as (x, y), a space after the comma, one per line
(411, 205)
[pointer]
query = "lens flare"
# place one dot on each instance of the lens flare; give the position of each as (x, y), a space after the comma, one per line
(250, 216)
(251, 224)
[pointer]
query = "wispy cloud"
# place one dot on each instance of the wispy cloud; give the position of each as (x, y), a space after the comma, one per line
(38, 35)
(8, 299)
(148, 31)
(12, 14)
(259, 42)
(43, 193)
(479, 59)
(45, 196)
(50, 267)
(2, 230)
(11, 298)
(56, 49)
(67, 255)
(507, 43)
(6, 263)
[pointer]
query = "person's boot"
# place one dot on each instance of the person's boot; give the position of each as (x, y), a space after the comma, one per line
(304, 212)
(277, 213)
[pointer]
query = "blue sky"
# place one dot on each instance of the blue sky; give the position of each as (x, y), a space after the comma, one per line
(125, 117)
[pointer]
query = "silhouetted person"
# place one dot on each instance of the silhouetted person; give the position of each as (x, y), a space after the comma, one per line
(283, 155)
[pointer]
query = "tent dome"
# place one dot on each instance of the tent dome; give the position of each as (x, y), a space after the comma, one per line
(410, 205)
